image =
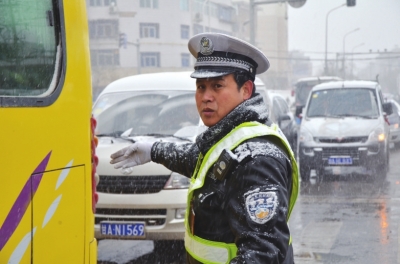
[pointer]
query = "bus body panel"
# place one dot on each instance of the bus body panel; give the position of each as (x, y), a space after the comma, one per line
(40, 143)
(20, 239)
(59, 215)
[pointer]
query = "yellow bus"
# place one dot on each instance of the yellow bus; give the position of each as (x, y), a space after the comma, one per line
(47, 146)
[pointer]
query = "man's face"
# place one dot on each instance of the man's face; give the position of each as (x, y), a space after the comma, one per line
(216, 97)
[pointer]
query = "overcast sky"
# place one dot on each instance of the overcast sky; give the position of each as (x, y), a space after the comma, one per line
(378, 22)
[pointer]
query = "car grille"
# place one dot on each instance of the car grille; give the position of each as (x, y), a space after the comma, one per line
(152, 217)
(132, 184)
(328, 152)
(342, 140)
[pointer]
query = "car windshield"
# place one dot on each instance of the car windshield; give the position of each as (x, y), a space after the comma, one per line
(358, 102)
(146, 112)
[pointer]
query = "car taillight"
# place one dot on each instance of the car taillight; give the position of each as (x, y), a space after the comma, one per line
(95, 160)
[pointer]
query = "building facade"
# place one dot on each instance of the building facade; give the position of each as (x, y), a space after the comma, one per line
(129, 37)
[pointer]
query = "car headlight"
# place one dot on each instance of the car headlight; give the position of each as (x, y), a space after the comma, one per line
(305, 136)
(377, 135)
(177, 181)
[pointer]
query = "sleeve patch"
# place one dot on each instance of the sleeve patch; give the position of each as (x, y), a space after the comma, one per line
(261, 206)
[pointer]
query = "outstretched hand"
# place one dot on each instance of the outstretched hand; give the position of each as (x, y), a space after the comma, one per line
(136, 154)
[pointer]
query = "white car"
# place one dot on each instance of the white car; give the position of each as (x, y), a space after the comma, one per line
(147, 201)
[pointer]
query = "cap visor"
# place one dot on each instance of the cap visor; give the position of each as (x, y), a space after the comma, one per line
(203, 73)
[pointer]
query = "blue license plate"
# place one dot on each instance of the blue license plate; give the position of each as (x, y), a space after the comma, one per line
(340, 161)
(131, 229)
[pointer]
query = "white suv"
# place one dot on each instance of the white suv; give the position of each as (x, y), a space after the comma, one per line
(147, 201)
(344, 131)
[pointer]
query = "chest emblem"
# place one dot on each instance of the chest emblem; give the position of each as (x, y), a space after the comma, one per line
(261, 206)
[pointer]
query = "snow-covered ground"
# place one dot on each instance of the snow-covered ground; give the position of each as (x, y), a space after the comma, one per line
(122, 251)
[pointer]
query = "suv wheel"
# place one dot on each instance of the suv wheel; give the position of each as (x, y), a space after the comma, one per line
(383, 168)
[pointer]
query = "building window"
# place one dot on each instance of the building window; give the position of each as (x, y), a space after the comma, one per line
(185, 59)
(198, 6)
(149, 4)
(102, 2)
(184, 5)
(150, 59)
(214, 9)
(184, 32)
(104, 57)
(225, 14)
(149, 30)
(197, 29)
(103, 28)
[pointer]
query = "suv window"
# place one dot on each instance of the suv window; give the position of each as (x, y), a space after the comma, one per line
(343, 102)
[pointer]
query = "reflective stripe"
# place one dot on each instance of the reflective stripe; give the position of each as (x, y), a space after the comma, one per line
(231, 140)
(205, 251)
(208, 251)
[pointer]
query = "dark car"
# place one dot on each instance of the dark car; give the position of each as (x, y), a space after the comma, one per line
(279, 113)
(344, 131)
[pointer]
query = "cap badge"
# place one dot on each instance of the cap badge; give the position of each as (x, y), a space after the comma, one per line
(206, 46)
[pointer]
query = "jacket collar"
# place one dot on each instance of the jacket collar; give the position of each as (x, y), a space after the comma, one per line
(253, 109)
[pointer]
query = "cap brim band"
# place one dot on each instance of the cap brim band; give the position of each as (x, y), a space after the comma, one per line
(206, 73)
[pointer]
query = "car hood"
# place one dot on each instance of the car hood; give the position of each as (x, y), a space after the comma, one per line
(339, 127)
(110, 145)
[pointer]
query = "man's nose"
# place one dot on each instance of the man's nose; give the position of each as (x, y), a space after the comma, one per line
(208, 95)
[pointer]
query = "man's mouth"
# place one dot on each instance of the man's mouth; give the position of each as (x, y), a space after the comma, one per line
(208, 111)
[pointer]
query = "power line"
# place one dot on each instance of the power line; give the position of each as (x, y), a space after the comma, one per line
(309, 59)
(333, 53)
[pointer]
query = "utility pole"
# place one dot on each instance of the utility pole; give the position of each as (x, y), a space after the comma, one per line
(344, 51)
(137, 44)
(352, 55)
(326, 38)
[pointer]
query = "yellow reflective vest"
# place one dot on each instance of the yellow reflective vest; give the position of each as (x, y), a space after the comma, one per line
(207, 251)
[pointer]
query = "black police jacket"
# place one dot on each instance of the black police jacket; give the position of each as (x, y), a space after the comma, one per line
(222, 206)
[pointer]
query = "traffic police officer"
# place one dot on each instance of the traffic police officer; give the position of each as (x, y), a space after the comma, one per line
(244, 179)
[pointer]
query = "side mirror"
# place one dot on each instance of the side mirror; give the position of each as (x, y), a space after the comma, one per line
(299, 110)
(387, 108)
(282, 118)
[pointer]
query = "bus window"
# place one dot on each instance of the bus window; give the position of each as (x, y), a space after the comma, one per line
(27, 48)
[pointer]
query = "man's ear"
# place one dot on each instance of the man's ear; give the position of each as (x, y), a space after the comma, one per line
(247, 89)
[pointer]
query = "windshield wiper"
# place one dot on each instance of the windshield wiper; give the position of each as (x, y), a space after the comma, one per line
(161, 135)
(326, 116)
(116, 134)
(354, 115)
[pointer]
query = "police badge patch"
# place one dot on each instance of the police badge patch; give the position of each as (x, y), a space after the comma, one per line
(261, 206)
(206, 46)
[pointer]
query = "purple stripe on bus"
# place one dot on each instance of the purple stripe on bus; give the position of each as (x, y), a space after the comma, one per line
(21, 204)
